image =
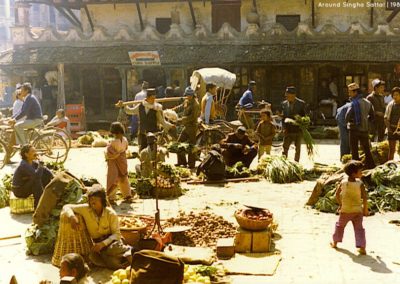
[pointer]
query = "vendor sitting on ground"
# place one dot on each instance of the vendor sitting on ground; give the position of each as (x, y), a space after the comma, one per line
(148, 156)
(213, 165)
(30, 177)
(103, 227)
(61, 121)
(238, 148)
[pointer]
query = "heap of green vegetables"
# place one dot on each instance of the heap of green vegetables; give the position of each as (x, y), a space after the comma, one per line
(279, 169)
(179, 147)
(318, 169)
(88, 138)
(5, 188)
(238, 171)
(383, 193)
(303, 122)
(41, 239)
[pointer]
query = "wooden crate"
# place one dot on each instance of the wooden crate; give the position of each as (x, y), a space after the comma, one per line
(243, 240)
(261, 241)
(252, 241)
(225, 247)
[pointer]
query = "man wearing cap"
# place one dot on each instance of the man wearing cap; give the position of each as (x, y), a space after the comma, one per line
(208, 112)
(191, 113)
(357, 119)
(238, 148)
(291, 107)
(150, 116)
(148, 155)
(135, 119)
(246, 101)
(377, 100)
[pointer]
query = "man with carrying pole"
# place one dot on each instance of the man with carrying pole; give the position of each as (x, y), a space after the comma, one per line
(150, 116)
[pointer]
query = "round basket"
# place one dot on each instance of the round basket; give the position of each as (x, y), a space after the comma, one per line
(131, 236)
(70, 240)
(252, 225)
(168, 192)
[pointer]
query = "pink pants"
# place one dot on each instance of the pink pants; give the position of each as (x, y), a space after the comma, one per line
(359, 232)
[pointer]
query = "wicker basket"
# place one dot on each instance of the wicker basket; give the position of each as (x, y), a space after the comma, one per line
(175, 191)
(252, 225)
(70, 240)
(21, 205)
(131, 236)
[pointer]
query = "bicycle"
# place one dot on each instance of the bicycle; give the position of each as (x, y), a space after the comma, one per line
(46, 141)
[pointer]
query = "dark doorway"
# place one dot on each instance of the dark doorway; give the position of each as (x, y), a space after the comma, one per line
(163, 25)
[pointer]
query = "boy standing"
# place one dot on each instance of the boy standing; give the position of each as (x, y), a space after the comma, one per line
(266, 132)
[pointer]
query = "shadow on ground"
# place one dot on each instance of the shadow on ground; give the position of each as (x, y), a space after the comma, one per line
(375, 264)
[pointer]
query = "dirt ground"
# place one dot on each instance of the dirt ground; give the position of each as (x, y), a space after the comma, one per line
(302, 238)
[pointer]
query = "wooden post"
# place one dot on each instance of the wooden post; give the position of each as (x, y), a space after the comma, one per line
(124, 92)
(192, 13)
(371, 16)
(140, 15)
(61, 89)
(313, 13)
(101, 77)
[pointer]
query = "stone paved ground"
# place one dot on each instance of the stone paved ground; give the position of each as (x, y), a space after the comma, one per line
(303, 234)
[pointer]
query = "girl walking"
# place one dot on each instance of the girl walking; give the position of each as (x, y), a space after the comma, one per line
(352, 199)
(117, 173)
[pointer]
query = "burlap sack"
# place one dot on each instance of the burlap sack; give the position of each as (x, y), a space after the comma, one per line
(153, 267)
(51, 196)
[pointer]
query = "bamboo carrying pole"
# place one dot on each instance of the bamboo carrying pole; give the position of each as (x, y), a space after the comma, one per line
(162, 100)
(10, 237)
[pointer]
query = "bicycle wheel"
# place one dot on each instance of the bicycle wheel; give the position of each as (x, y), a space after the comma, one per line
(52, 146)
(4, 157)
(61, 131)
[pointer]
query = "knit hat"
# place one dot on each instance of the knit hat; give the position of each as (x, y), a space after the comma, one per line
(189, 91)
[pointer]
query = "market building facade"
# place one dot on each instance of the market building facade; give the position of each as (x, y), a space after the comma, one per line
(275, 43)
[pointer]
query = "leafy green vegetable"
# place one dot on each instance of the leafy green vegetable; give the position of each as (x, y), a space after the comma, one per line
(41, 239)
(278, 169)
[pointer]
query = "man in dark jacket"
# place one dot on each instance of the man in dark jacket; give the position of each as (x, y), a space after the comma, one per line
(238, 148)
(30, 177)
(150, 116)
(213, 165)
(291, 107)
(189, 120)
(357, 119)
(376, 98)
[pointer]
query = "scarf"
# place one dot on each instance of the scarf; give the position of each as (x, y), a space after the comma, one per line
(355, 104)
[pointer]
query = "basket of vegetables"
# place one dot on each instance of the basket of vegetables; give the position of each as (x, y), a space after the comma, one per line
(254, 219)
(132, 229)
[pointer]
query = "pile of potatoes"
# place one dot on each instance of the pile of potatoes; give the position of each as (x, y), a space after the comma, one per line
(207, 228)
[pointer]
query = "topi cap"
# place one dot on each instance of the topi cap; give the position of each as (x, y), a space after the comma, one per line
(377, 82)
(353, 86)
(241, 129)
(252, 83)
(291, 90)
(189, 91)
(151, 92)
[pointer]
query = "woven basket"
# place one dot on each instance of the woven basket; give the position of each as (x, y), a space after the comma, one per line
(21, 205)
(168, 192)
(252, 225)
(70, 240)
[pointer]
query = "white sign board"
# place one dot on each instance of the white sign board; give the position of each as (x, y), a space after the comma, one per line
(144, 58)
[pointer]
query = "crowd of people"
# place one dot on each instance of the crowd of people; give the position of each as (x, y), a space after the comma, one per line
(363, 120)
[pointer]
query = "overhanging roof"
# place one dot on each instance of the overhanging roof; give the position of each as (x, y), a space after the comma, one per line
(200, 54)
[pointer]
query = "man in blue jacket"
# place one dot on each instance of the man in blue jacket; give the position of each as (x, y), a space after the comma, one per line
(343, 132)
(247, 102)
(31, 114)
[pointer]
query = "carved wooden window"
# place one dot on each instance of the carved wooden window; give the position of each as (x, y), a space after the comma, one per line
(163, 25)
(290, 22)
(225, 11)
